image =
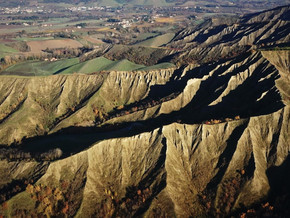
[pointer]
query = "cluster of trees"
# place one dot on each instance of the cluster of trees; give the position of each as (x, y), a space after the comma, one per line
(113, 206)
(9, 190)
(48, 54)
(216, 121)
(64, 52)
(10, 60)
(7, 60)
(51, 154)
(129, 109)
(33, 17)
(81, 25)
(65, 35)
(16, 155)
(68, 52)
(96, 52)
(20, 46)
(49, 201)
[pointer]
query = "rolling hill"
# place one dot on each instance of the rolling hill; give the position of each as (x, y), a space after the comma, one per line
(73, 65)
(39, 68)
(5, 50)
(15, 3)
(157, 41)
(100, 2)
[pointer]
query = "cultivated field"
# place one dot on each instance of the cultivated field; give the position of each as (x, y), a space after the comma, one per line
(73, 65)
(165, 20)
(38, 46)
(5, 50)
(39, 68)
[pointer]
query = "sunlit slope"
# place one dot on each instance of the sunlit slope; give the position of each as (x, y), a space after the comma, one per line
(158, 40)
(39, 68)
(70, 66)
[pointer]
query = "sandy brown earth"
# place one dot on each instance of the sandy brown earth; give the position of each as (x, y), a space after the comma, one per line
(38, 46)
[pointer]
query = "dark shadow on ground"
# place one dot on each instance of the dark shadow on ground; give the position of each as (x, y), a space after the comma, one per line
(242, 102)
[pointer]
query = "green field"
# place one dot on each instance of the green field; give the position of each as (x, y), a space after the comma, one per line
(5, 50)
(70, 66)
(158, 40)
(26, 39)
(102, 64)
(165, 65)
(40, 68)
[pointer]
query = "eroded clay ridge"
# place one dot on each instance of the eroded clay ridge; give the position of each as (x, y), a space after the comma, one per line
(217, 39)
(200, 140)
(243, 86)
(177, 170)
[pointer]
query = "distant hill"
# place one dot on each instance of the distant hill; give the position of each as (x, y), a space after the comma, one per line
(15, 3)
(135, 2)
